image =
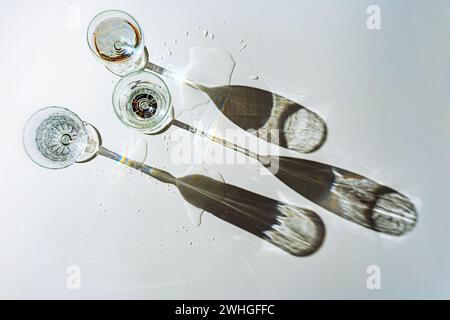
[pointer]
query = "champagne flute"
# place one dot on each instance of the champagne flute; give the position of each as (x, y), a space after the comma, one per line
(55, 138)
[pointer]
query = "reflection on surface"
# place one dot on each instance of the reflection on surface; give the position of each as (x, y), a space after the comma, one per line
(298, 231)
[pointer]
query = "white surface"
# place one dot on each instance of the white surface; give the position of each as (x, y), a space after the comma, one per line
(384, 95)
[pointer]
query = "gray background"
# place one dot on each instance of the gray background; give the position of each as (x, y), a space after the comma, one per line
(384, 95)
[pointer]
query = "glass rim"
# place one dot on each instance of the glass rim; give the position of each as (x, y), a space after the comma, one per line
(24, 136)
(133, 20)
(125, 80)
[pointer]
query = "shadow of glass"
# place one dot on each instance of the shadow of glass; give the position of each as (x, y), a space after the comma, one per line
(296, 230)
(269, 116)
(347, 194)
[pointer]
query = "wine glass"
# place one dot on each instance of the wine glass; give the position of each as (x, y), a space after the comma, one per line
(55, 138)
(143, 101)
(116, 39)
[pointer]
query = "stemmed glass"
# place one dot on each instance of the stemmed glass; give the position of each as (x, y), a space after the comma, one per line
(116, 39)
(142, 101)
(55, 138)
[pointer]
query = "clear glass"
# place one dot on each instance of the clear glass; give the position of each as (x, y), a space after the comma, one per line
(55, 138)
(116, 39)
(142, 101)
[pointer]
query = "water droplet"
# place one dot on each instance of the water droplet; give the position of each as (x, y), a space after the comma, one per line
(205, 33)
(254, 77)
(186, 33)
(242, 47)
(169, 52)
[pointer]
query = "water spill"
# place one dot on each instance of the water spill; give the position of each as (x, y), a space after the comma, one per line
(208, 66)
(169, 52)
(195, 213)
(135, 148)
(252, 109)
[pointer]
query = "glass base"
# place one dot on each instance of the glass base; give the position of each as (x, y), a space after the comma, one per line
(126, 68)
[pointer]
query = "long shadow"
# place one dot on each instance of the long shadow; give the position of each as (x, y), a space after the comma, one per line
(284, 122)
(296, 230)
(269, 116)
(347, 194)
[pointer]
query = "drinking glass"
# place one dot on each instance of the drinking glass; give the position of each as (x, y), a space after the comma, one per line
(143, 101)
(116, 39)
(55, 138)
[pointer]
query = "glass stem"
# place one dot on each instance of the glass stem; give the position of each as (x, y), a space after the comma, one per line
(158, 174)
(150, 66)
